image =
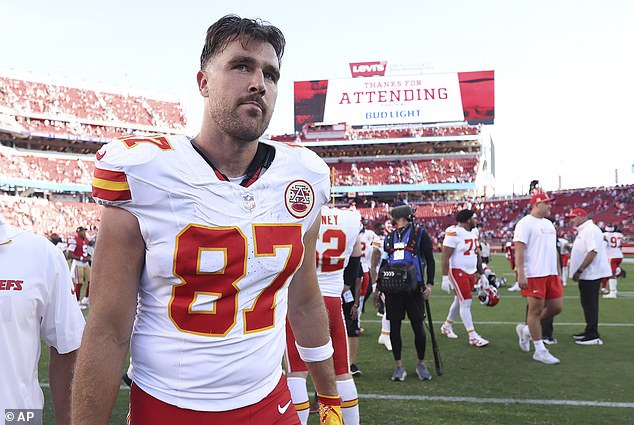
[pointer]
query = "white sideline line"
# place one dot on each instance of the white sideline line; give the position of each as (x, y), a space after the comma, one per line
(473, 399)
(500, 400)
(601, 324)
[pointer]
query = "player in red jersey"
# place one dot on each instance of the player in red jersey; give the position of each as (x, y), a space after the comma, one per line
(78, 252)
(215, 236)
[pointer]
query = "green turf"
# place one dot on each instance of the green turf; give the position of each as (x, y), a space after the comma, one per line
(500, 375)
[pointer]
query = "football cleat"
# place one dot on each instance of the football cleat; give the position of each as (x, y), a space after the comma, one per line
(477, 340)
(448, 331)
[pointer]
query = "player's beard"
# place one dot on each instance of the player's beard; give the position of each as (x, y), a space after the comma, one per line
(247, 126)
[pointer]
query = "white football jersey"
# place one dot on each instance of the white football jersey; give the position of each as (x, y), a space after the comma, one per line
(337, 236)
(614, 242)
(465, 245)
(377, 243)
(37, 302)
(367, 236)
(209, 333)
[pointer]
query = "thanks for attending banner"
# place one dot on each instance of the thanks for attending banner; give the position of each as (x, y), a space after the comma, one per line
(394, 100)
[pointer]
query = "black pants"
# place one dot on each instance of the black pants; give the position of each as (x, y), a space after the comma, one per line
(589, 296)
(396, 306)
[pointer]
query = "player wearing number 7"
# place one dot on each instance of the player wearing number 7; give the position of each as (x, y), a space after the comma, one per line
(460, 262)
(216, 236)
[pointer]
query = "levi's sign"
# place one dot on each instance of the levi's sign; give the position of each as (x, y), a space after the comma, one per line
(368, 69)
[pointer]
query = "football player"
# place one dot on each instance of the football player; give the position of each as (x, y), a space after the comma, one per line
(460, 261)
(613, 240)
(338, 243)
(216, 237)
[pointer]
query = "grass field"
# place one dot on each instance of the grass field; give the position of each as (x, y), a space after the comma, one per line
(497, 384)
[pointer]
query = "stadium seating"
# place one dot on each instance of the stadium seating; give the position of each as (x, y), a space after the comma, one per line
(439, 170)
(75, 112)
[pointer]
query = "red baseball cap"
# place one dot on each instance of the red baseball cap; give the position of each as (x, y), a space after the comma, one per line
(540, 197)
(577, 212)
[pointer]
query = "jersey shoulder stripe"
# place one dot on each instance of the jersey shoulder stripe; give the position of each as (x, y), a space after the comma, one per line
(110, 186)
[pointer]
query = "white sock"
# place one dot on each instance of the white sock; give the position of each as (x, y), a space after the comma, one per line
(465, 314)
(349, 402)
(385, 325)
(539, 345)
(612, 282)
(299, 395)
(453, 310)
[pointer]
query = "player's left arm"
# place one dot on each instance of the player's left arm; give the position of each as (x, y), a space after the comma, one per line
(60, 373)
(308, 317)
(427, 250)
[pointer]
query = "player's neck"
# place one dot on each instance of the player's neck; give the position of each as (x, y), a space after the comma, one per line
(230, 157)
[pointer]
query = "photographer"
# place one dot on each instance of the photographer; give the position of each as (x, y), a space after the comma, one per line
(410, 246)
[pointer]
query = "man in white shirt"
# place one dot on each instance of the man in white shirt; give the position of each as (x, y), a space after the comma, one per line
(37, 303)
(589, 261)
(538, 274)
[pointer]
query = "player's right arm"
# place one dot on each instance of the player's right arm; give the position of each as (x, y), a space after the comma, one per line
(520, 248)
(118, 261)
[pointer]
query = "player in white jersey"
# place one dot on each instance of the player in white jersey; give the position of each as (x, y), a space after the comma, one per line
(377, 254)
(366, 237)
(460, 262)
(216, 235)
(37, 303)
(613, 245)
(338, 241)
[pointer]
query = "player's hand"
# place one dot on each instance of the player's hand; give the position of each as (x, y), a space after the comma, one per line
(446, 284)
(426, 289)
(329, 410)
(354, 312)
(484, 282)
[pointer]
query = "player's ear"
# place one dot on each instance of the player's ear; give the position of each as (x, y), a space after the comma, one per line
(203, 83)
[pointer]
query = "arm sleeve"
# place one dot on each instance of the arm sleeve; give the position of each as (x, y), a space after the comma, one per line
(62, 324)
(351, 271)
(427, 250)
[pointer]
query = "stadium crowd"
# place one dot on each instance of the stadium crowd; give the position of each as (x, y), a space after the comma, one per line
(66, 110)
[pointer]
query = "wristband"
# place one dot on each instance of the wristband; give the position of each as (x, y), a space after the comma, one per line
(315, 354)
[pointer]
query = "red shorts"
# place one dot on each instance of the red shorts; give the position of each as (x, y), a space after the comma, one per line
(544, 288)
(365, 282)
(564, 260)
(294, 362)
(615, 263)
(274, 409)
(462, 283)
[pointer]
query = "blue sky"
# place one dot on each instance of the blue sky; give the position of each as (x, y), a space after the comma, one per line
(564, 85)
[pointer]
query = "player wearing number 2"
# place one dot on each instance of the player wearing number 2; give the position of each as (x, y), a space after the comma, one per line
(460, 262)
(338, 243)
(216, 235)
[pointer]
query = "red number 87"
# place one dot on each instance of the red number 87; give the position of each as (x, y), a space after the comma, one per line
(222, 285)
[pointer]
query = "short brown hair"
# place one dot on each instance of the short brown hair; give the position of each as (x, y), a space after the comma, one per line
(232, 27)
